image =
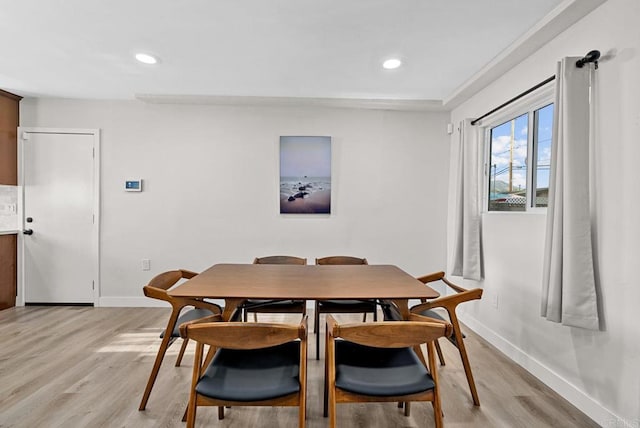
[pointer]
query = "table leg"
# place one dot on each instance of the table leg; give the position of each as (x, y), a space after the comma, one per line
(230, 306)
(403, 307)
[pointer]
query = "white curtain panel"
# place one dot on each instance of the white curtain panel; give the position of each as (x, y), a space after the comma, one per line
(568, 283)
(467, 248)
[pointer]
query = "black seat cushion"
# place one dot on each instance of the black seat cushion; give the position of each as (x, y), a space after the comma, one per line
(351, 305)
(252, 375)
(432, 314)
(190, 315)
(380, 372)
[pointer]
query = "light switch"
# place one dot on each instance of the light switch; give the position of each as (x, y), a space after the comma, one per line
(146, 264)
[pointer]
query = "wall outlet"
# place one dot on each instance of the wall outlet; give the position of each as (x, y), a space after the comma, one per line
(146, 264)
(494, 300)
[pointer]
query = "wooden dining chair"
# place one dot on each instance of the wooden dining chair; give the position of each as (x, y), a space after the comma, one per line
(275, 306)
(341, 306)
(382, 362)
(450, 303)
(157, 289)
(255, 364)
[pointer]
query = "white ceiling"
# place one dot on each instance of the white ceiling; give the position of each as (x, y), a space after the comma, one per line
(262, 48)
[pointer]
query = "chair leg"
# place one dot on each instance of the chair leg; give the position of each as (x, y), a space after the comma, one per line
(437, 413)
(437, 406)
(407, 408)
(364, 317)
(316, 318)
(220, 413)
(318, 343)
(463, 355)
(439, 352)
(332, 409)
(325, 401)
(302, 413)
(255, 317)
(467, 370)
(181, 353)
(184, 415)
(159, 357)
(193, 395)
(191, 413)
(375, 314)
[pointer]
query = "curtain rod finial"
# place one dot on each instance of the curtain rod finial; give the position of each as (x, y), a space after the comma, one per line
(592, 56)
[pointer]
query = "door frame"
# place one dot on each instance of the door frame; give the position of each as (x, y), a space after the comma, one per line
(95, 238)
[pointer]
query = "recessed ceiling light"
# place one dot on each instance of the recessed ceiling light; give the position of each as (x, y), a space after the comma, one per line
(392, 63)
(146, 58)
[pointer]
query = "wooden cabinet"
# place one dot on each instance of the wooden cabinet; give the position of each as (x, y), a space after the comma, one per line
(9, 119)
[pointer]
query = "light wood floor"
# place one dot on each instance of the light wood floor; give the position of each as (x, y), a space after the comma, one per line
(87, 367)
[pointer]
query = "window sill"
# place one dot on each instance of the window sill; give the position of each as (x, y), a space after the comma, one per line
(539, 211)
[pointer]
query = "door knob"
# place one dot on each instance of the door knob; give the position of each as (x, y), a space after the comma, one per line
(28, 232)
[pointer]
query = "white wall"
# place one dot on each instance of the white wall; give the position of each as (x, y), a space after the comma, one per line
(597, 371)
(211, 189)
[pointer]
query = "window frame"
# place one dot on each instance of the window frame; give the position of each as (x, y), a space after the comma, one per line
(528, 104)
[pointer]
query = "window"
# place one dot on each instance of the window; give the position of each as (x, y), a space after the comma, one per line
(543, 128)
(519, 160)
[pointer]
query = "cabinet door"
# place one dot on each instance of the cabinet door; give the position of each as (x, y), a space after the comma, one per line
(8, 175)
(8, 251)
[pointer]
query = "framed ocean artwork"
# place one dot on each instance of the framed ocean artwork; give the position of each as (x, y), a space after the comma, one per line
(305, 175)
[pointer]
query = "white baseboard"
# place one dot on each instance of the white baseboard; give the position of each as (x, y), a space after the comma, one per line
(567, 390)
(131, 302)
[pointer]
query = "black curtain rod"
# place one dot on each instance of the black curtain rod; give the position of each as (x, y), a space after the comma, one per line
(517, 97)
(592, 56)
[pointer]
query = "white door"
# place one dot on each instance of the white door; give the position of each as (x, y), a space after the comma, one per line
(59, 258)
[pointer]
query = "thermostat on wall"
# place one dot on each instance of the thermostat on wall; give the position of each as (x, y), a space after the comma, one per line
(133, 185)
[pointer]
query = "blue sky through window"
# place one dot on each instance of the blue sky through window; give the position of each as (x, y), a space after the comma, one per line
(509, 157)
(543, 145)
(510, 161)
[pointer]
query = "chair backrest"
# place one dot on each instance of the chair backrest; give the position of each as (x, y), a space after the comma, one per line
(391, 334)
(159, 285)
(279, 260)
(341, 260)
(233, 335)
(276, 385)
(451, 301)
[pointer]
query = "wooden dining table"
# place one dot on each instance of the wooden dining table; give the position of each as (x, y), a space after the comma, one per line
(237, 282)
